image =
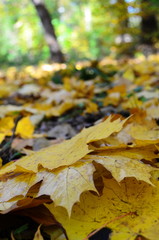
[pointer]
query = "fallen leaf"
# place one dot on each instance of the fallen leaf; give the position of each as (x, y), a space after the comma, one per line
(19, 144)
(122, 167)
(16, 186)
(38, 235)
(129, 75)
(131, 196)
(153, 111)
(6, 126)
(76, 179)
(63, 131)
(91, 107)
(67, 152)
(143, 133)
(25, 128)
(29, 89)
(11, 110)
(59, 110)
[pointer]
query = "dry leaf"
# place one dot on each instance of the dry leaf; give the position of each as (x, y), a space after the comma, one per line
(131, 196)
(75, 180)
(6, 126)
(25, 128)
(38, 235)
(67, 152)
(122, 167)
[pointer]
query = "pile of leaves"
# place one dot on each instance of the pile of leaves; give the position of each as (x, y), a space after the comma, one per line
(104, 175)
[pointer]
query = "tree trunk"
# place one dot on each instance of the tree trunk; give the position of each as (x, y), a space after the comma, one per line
(123, 19)
(50, 36)
(149, 26)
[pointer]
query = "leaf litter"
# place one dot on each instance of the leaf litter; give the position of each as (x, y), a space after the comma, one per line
(104, 172)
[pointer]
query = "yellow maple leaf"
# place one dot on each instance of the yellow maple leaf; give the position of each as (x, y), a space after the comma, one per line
(134, 198)
(65, 173)
(147, 152)
(121, 167)
(91, 107)
(103, 130)
(75, 180)
(118, 88)
(6, 126)
(20, 173)
(67, 152)
(25, 128)
(143, 133)
(113, 98)
(6, 89)
(16, 186)
(59, 110)
(132, 102)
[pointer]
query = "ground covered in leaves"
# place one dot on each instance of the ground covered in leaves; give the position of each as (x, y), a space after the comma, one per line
(104, 175)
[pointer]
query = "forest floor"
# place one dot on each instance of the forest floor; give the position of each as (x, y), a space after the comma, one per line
(43, 105)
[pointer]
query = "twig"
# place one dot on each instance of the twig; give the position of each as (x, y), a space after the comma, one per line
(107, 223)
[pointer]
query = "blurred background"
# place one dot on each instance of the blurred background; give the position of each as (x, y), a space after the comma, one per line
(32, 31)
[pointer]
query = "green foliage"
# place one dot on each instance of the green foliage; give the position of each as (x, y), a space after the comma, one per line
(85, 29)
(21, 39)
